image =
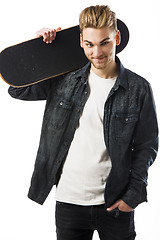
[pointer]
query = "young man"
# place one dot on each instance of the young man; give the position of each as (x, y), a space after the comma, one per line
(99, 136)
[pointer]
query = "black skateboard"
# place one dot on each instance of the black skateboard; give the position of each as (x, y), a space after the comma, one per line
(33, 61)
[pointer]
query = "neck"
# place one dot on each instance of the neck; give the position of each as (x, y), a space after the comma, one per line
(111, 71)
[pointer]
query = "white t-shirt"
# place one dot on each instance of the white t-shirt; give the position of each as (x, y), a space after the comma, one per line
(87, 165)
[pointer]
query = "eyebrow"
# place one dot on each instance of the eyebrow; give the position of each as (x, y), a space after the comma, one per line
(104, 40)
(100, 42)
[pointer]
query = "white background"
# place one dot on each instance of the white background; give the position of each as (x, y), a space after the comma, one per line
(20, 121)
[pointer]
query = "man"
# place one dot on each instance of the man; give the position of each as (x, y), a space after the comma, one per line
(98, 139)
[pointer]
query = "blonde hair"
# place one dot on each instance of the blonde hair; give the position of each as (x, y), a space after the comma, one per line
(97, 17)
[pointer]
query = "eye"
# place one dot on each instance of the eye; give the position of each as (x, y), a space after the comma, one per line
(89, 45)
(104, 43)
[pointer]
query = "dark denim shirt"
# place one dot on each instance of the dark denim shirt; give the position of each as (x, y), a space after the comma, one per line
(130, 132)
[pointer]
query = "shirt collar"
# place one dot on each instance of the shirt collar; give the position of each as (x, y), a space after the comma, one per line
(121, 79)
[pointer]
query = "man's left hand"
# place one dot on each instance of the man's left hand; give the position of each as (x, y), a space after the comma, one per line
(121, 205)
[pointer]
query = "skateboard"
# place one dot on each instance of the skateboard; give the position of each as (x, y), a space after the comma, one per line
(34, 61)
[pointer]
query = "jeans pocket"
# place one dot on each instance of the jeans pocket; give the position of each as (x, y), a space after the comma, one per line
(117, 213)
(125, 213)
(60, 203)
(114, 213)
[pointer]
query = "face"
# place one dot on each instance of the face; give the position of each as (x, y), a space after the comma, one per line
(100, 46)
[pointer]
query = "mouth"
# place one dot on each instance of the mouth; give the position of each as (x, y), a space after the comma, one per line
(99, 59)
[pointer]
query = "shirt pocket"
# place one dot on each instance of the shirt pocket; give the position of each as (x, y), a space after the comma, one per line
(124, 125)
(62, 114)
(58, 114)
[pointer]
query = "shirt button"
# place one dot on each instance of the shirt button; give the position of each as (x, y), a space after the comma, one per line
(61, 103)
(85, 92)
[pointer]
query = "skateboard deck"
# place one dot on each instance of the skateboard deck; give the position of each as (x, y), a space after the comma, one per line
(34, 61)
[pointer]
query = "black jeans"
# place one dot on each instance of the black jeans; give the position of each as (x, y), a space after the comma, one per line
(75, 222)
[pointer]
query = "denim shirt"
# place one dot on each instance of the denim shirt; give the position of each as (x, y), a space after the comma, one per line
(130, 132)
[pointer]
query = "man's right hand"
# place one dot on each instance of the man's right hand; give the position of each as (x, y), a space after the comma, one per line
(48, 34)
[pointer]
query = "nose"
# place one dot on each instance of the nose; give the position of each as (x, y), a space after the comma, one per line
(97, 52)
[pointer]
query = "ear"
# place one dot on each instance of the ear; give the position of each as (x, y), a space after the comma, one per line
(118, 37)
(81, 40)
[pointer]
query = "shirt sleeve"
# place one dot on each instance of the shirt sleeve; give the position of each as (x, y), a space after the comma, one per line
(38, 91)
(145, 147)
